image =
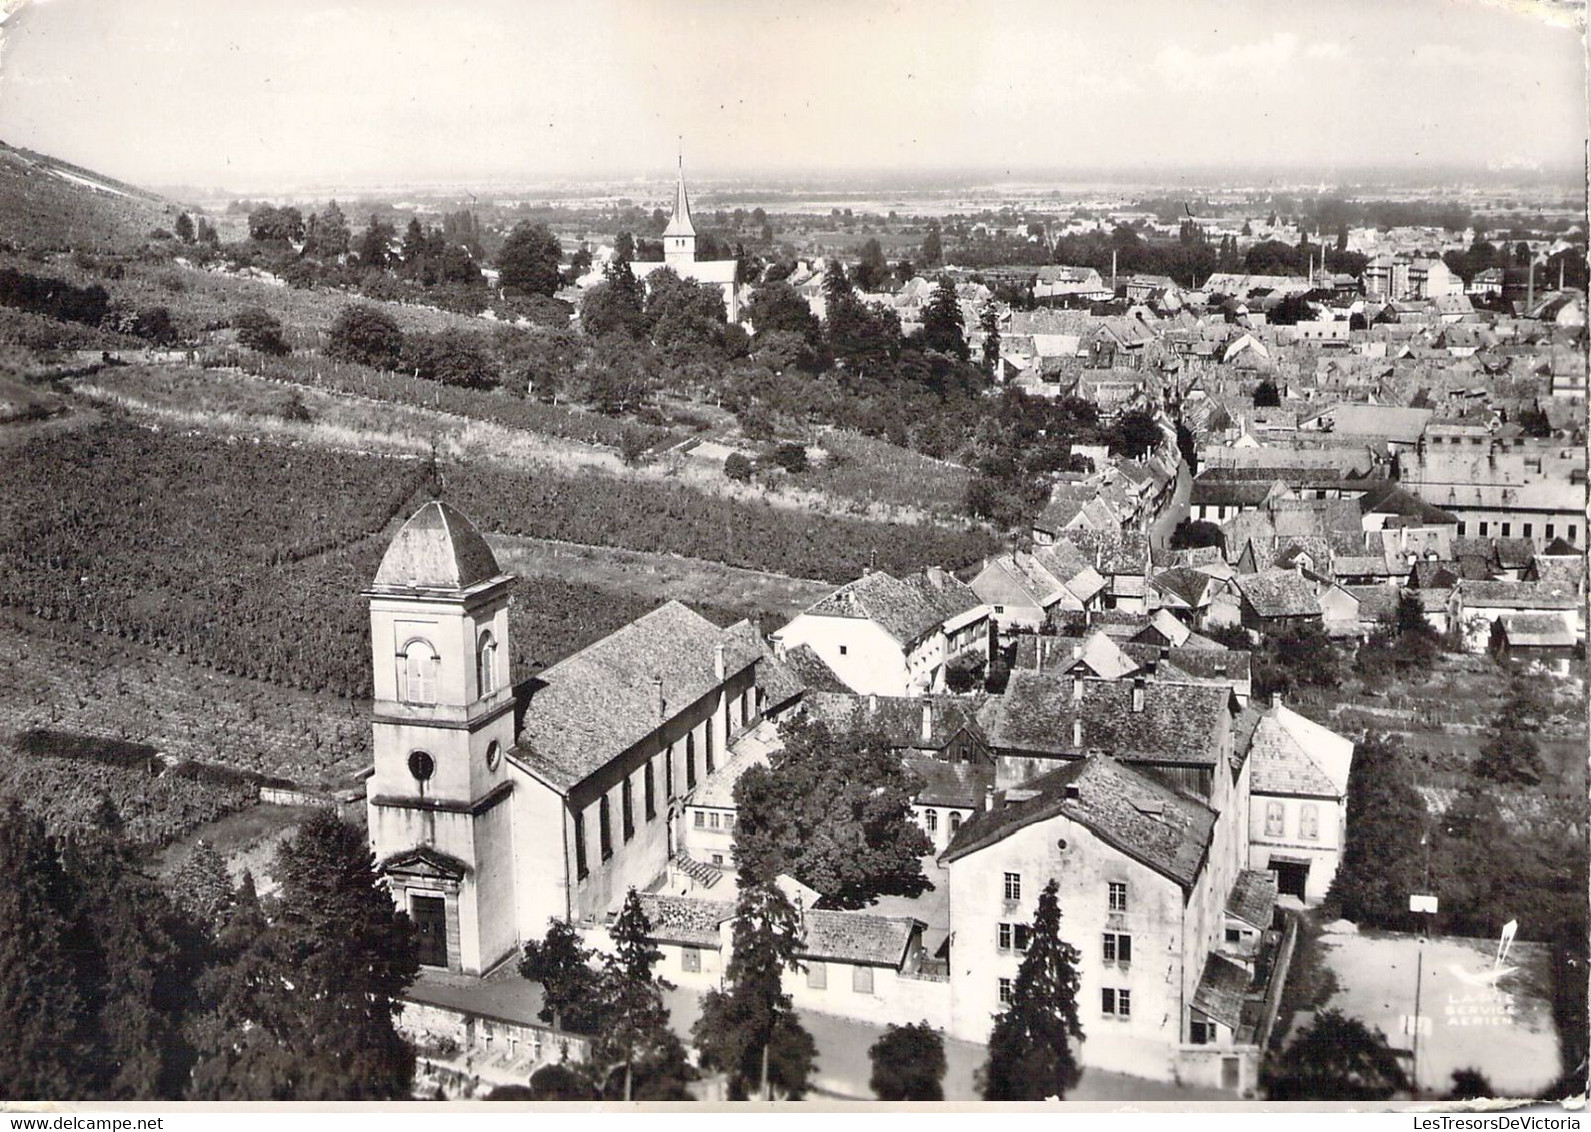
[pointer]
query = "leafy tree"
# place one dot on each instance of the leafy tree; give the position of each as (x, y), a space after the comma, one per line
(832, 810)
(751, 1032)
(684, 316)
(1136, 434)
(276, 225)
(908, 1064)
(791, 457)
(933, 252)
(1030, 1049)
(1336, 1058)
(569, 983)
(942, 326)
(562, 1082)
(1301, 656)
(184, 227)
(777, 307)
(155, 324)
(737, 467)
(615, 306)
(45, 1046)
(1470, 1085)
(529, 259)
(331, 235)
(453, 357)
(1191, 533)
(1266, 395)
(258, 329)
(207, 234)
(624, 248)
(871, 268)
(367, 335)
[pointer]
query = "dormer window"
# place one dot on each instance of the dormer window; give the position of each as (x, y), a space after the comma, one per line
(486, 665)
(417, 673)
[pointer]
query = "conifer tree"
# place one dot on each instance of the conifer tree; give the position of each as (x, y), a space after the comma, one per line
(202, 888)
(1030, 1050)
(942, 329)
(751, 1032)
(647, 1057)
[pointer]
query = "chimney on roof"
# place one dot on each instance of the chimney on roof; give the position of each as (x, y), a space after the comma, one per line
(1077, 687)
(657, 699)
(1071, 792)
(720, 667)
(988, 797)
(1077, 732)
(1138, 693)
(872, 562)
(936, 575)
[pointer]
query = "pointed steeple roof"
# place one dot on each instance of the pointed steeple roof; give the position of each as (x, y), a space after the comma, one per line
(680, 223)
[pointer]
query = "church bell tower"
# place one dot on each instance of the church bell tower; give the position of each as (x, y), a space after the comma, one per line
(443, 722)
(679, 238)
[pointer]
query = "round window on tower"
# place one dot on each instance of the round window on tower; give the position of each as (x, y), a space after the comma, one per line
(494, 754)
(421, 765)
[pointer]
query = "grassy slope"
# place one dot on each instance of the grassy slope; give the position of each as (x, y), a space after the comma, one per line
(44, 212)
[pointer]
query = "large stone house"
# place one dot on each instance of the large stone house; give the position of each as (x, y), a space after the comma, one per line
(1298, 815)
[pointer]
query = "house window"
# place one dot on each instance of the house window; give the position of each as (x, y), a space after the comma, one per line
(818, 976)
(494, 754)
(627, 802)
(1273, 819)
(1118, 947)
(690, 959)
(1526, 530)
(932, 818)
(650, 790)
(1201, 1033)
(955, 821)
(486, 665)
(1005, 992)
(701, 819)
(1234, 935)
(1461, 531)
(1506, 529)
(844, 650)
(1484, 525)
(605, 827)
(1024, 935)
(745, 708)
(419, 673)
(708, 736)
(1309, 821)
(580, 847)
(729, 822)
(1002, 937)
(1574, 532)
(718, 859)
(1116, 1002)
(690, 761)
(712, 820)
(862, 980)
(1551, 529)
(421, 765)
(1118, 896)
(668, 773)
(1013, 886)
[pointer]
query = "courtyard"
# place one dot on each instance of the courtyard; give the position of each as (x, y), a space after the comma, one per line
(1473, 1016)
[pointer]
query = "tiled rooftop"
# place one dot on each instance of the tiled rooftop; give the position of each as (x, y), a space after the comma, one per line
(856, 937)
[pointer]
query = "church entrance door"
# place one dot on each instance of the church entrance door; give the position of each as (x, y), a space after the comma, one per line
(430, 924)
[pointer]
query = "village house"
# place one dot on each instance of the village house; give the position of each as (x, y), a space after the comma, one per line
(894, 636)
(1475, 606)
(1144, 880)
(1022, 590)
(1298, 810)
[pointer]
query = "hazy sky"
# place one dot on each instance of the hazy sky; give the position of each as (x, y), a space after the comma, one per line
(253, 94)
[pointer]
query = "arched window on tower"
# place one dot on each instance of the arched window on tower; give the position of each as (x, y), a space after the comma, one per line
(486, 665)
(417, 673)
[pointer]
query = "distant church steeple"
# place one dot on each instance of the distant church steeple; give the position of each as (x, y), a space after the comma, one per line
(679, 238)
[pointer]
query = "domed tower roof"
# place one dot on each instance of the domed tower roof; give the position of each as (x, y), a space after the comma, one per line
(437, 549)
